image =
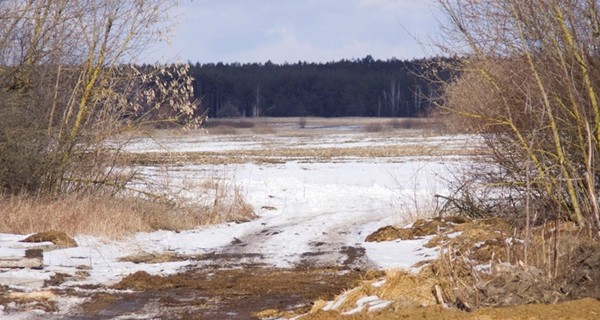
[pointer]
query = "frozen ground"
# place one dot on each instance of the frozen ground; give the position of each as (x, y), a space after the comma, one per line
(310, 213)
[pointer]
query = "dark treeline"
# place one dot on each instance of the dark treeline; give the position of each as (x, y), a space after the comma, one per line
(363, 87)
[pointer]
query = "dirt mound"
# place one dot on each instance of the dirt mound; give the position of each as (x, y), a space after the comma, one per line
(390, 233)
(483, 263)
(421, 228)
(58, 238)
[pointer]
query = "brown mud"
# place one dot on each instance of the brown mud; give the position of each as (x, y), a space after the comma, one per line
(219, 294)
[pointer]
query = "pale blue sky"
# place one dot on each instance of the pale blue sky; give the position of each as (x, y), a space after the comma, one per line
(292, 30)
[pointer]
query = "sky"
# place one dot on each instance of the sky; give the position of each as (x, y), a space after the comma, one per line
(282, 31)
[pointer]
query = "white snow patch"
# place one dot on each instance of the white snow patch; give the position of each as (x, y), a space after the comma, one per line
(454, 234)
(370, 303)
(379, 283)
(335, 304)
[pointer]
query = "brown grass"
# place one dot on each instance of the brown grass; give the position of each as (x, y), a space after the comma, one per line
(280, 155)
(114, 217)
(229, 122)
(222, 130)
(403, 289)
(374, 127)
(228, 205)
(264, 129)
(580, 309)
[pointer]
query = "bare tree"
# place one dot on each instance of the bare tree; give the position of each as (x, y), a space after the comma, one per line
(67, 87)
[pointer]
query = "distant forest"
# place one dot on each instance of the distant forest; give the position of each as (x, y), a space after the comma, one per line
(361, 87)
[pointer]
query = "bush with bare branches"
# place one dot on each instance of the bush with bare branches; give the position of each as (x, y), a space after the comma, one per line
(530, 85)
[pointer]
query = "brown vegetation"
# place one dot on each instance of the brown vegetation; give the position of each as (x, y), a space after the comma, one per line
(481, 266)
(65, 89)
(584, 309)
(529, 85)
(114, 216)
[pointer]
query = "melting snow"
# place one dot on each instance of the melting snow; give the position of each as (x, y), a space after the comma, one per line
(334, 203)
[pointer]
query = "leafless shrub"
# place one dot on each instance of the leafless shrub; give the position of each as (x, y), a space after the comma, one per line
(529, 85)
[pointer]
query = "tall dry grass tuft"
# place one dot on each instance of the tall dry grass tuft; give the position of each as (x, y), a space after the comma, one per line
(227, 204)
(114, 217)
(99, 216)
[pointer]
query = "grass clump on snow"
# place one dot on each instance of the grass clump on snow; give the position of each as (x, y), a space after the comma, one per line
(113, 217)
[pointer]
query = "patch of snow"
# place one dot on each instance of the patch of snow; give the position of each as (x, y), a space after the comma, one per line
(400, 254)
(454, 234)
(371, 303)
(513, 240)
(335, 304)
(378, 283)
(487, 268)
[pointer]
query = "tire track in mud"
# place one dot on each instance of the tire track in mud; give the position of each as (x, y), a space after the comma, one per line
(261, 246)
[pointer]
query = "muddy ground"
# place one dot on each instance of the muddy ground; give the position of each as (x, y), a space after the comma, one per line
(247, 293)
(263, 293)
(236, 284)
(259, 292)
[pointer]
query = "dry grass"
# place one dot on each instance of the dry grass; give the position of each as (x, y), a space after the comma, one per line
(238, 123)
(407, 289)
(580, 309)
(115, 217)
(228, 204)
(101, 216)
(264, 129)
(280, 155)
(374, 127)
(222, 130)
(403, 289)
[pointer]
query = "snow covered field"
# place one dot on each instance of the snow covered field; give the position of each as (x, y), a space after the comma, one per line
(314, 212)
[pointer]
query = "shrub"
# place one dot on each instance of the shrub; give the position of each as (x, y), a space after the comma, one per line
(529, 86)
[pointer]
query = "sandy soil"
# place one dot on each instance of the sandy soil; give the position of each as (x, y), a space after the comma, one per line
(580, 309)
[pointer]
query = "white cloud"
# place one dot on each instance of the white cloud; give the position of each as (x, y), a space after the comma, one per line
(292, 30)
